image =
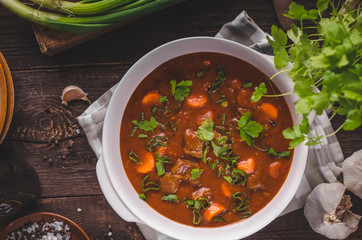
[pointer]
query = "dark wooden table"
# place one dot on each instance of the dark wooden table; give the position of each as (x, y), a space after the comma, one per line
(43, 129)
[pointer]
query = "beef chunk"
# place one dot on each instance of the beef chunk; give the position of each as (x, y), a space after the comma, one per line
(169, 183)
(255, 181)
(193, 145)
(202, 193)
(183, 169)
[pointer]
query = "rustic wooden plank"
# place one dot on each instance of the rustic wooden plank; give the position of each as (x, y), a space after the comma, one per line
(126, 44)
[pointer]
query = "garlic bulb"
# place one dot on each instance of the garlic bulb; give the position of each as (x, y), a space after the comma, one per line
(327, 211)
(352, 173)
(71, 93)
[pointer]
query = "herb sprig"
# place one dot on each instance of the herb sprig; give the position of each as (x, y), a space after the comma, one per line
(328, 59)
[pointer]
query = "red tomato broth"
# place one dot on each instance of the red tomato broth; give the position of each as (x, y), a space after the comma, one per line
(185, 68)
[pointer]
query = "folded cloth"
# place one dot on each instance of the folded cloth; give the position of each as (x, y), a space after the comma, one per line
(324, 160)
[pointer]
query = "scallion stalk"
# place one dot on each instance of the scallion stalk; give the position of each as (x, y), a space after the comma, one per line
(68, 22)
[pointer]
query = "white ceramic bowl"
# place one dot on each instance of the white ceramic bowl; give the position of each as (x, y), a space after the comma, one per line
(111, 174)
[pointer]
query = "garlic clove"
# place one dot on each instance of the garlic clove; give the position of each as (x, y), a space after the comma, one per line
(321, 211)
(71, 93)
(352, 173)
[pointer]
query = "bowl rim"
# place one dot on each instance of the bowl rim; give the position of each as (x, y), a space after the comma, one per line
(149, 216)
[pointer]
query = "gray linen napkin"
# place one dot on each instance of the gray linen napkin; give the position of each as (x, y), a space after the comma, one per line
(324, 160)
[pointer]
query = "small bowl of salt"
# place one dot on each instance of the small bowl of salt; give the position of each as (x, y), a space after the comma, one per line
(43, 225)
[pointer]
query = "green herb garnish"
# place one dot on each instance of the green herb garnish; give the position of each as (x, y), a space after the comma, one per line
(142, 196)
(271, 151)
(134, 157)
(249, 129)
(215, 87)
(156, 141)
(170, 198)
(247, 85)
(147, 186)
(196, 173)
(259, 92)
(160, 168)
(196, 217)
(142, 135)
(180, 90)
(144, 124)
(328, 58)
(205, 131)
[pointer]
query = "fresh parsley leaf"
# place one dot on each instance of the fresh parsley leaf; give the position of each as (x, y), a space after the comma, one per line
(259, 92)
(180, 90)
(271, 151)
(148, 125)
(298, 12)
(249, 129)
(205, 131)
(354, 119)
(196, 173)
(170, 198)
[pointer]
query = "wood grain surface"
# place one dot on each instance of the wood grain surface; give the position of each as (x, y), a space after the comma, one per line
(45, 134)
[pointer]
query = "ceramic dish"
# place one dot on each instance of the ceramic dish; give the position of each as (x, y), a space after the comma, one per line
(76, 232)
(111, 174)
(9, 98)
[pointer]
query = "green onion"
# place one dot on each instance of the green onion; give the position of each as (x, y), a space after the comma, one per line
(66, 18)
(142, 196)
(160, 168)
(134, 157)
(196, 217)
(239, 176)
(149, 185)
(156, 141)
(215, 86)
(170, 198)
(142, 135)
(239, 204)
(271, 151)
(82, 8)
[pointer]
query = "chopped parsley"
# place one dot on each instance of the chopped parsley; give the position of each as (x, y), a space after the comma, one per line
(196, 173)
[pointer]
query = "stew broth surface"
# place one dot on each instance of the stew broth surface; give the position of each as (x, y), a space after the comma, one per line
(265, 172)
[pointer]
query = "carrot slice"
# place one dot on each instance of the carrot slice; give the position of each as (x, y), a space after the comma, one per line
(161, 150)
(248, 165)
(225, 188)
(269, 110)
(147, 163)
(274, 169)
(207, 114)
(151, 98)
(196, 101)
(214, 210)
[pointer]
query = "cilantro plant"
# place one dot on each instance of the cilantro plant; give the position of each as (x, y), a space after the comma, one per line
(326, 65)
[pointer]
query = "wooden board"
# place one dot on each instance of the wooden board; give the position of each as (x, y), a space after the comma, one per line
(53, 41)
